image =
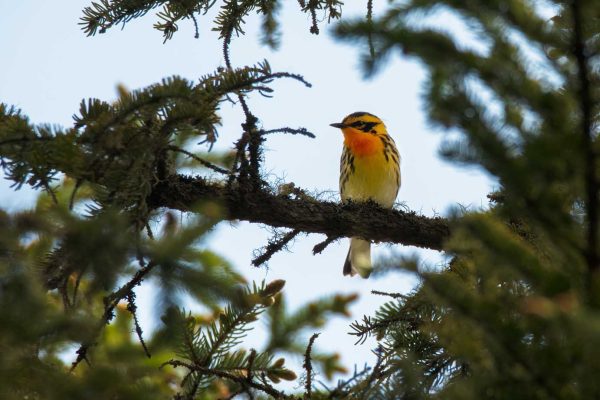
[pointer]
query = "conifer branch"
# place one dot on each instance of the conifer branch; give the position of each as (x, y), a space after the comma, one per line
(495, 339)
(262, 386)
(366, 220)
(210, 348)
(253, 139)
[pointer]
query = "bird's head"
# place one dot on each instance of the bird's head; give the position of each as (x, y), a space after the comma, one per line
(361, 122)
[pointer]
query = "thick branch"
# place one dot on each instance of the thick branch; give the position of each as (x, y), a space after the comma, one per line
(367, 221)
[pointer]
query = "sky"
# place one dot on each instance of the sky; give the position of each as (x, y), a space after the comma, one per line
(48, 66)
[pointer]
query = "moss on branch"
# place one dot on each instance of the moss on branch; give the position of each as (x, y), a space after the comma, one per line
(368, 220)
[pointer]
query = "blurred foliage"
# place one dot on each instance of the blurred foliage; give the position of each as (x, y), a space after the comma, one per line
(513, 315)
(67, 291)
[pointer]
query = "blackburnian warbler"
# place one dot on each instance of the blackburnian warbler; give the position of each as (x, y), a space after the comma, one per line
(369, 170)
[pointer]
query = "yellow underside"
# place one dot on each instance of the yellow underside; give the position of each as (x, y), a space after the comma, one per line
(373, 178)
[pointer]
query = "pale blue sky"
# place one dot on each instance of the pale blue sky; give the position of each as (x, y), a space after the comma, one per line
(48, 65)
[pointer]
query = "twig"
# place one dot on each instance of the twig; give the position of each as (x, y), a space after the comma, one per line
(393, 295)
(226, 43)
(370, 33)
(196, 33)
(274, 245)
(251, 359)
(132, 308)
(110, 302)
(299, 131)
(307, 365)
(319, 247)
(49, 190)
(249, 377)
(78, 183)
(149, 232)
(277, 75)
(253, 140)
(76, 287)
(314, 29)
(240, 162)
(253, 147)
(207, 164)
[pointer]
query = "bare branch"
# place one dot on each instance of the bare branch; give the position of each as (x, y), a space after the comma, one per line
(307, 365)
(365, 220)
(274, 245)
(319, 247)
(207, 164)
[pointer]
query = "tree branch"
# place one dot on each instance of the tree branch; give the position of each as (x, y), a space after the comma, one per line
(276, 244)
(367, 221)
(110, 303)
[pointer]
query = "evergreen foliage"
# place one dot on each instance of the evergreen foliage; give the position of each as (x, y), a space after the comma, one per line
(513, 315)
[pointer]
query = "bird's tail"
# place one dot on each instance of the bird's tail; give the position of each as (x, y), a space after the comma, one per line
(358, 260)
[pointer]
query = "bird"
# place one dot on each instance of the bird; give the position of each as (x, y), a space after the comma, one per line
(369, 171)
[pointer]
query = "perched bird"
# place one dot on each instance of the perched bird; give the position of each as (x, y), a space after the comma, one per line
(369, 170)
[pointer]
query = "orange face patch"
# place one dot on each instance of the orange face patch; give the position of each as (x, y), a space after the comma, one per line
(361, 143)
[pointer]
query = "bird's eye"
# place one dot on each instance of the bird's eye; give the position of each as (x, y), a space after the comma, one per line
(357, 124)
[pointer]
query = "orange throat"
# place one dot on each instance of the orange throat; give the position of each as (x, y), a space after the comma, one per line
(360, 143)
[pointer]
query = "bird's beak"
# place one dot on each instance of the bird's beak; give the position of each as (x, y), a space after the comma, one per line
(338, 125)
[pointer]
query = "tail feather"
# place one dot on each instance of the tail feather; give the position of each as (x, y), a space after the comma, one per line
(348, 266)
(358, 260)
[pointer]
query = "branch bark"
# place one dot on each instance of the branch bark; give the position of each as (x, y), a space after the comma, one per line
(364, 220)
